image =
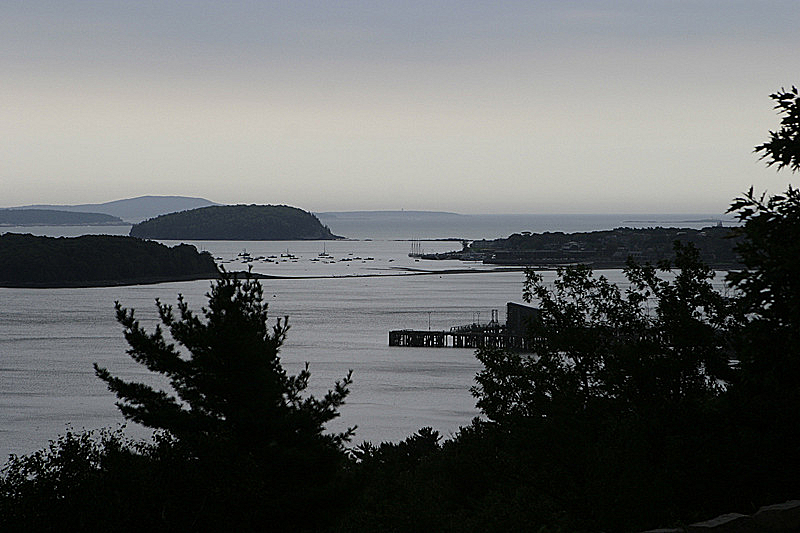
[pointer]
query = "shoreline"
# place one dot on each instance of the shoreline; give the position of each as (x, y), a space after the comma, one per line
(396, 272)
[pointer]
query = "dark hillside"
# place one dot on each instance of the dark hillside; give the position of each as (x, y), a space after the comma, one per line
(608, 249)
(235, 223)
(97, 260)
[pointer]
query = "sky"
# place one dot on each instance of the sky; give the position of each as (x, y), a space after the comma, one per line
(468, 106)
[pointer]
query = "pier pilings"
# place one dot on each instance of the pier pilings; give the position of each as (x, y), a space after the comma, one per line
(458, 339)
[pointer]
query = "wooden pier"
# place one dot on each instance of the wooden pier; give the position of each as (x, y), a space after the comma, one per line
(458, 339)
(509, 336)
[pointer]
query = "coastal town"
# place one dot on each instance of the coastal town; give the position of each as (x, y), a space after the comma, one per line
(599, 249)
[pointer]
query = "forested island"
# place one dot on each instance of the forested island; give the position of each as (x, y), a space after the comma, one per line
(54, 217)
(600, 249)
(97, 260)
(235, 223)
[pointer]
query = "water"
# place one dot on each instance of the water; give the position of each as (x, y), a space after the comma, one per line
(390, 225)
(49, 338)
(423, 225)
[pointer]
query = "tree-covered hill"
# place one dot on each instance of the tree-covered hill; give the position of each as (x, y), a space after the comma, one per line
(236, 223)
(608, 249)
(53, 217)
(97, 260)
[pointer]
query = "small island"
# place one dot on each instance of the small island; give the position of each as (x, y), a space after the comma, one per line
(54, 217)
(97, 261)
(235, 223)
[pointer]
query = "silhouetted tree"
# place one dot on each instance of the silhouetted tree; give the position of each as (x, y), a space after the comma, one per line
(770, 243)
(611, 417)
(597, 347)
(769, 248)
(783, 147)
(228, 378)
(239, 431)
(766, 397)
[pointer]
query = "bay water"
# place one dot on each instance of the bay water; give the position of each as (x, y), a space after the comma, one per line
(342, 298)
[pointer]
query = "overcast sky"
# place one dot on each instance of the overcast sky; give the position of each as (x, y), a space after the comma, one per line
(475, 107)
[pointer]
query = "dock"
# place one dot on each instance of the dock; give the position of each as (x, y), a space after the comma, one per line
(512, 335)
(452, 339)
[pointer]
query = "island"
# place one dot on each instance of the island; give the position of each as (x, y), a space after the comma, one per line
(599, 249)
(235, 223)
(132, 210)
(54, 217)
(97, 261)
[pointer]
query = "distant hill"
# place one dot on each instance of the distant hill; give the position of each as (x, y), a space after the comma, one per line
(51, 217)
(235, 223)
(97, 260)
(133, 210)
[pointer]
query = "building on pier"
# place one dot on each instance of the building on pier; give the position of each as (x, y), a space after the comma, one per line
(512, 335)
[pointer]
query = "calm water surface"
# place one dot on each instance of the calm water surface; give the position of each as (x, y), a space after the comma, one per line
(49, 338)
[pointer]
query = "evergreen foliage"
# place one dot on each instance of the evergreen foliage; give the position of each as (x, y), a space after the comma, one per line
(235, 223)
(96, 260)
(228, 378)
(236, 419)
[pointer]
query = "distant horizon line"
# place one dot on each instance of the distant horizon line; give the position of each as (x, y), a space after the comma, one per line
(394, 211)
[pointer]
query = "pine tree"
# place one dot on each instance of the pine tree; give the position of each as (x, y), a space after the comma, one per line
(237, 434)
(228, 377)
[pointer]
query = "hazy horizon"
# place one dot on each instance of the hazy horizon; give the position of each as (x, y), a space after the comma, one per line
(383, 211)
(507, 107)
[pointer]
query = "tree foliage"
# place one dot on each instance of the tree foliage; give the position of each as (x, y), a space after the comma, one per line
(770, 233)
(783, 147)
(598, 349)
(244, 435)
(766, 399)
(611, 413)
(769, 283)
(769, 248)
(609, 248)
(93, 260)
(80, 482)
(228, 379)
(235, 223)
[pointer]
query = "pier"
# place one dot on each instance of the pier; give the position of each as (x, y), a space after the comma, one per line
(443, 339)
(512, 335)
